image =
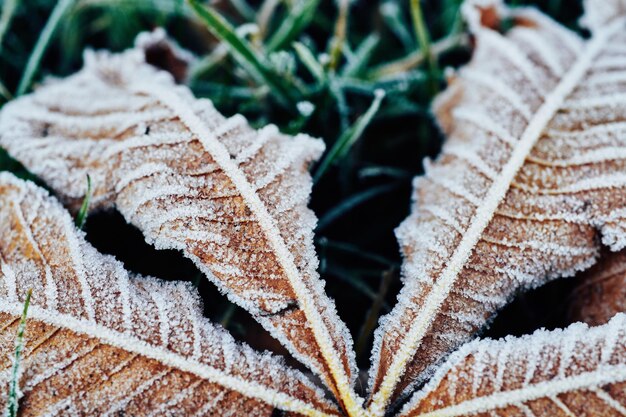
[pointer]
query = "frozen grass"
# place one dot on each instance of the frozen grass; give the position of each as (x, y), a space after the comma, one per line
(316, 66)
(81, 217)
(14, 388)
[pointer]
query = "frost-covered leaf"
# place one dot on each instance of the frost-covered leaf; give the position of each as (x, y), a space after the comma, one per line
(101, 342)
(579, 371)
(162, 52)
(232, 198)
(529, 181)
(601, 291)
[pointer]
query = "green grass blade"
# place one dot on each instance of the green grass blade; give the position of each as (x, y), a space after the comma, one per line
(228, 315)
(339, 37)
(42, 44)
(392, 16)
(371, 320)
(81, 217)
(336, 89)
(172, 7)
(219, 91)
(423, 39)
(384, 171)
(352, 202)
(8, 11)
(416, 58)
(361, 56)
(350, 136)
(298, 18)
(210, 63)
(14, 389)
(207, 64)
(351, 278)
(243, 52)
(393, 85)
(310, 62)
(4, 92)
(452, 17)
(348, 248)
(305, 111)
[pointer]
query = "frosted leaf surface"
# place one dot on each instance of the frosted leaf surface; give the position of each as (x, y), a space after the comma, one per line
(529, 181)
(601, 12)
(232, 198)
(601, 291)
(579, 371)
(101, 342)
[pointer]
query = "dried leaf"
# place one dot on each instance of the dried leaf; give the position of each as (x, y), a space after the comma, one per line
(99, 341)
(161, 52)
(601, 291)
(233, 199)
(529, 180)
(579, 371)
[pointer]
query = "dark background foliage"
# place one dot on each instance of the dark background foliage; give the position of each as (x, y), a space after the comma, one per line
(365, 192)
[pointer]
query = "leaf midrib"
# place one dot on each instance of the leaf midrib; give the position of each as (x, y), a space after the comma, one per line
(132, 344)
(599, 377)
(484, 213)
(218, 152)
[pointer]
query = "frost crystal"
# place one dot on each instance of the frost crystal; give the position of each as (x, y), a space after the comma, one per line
(232, 198)
(532, 169)
(101, 342)
(571, 372)
(529, 183)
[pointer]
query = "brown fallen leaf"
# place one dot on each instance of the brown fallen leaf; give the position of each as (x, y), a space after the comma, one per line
(579, 371)
(161, 52)
(101, 342)
(601, 291)
(231, 198)
(529, 181)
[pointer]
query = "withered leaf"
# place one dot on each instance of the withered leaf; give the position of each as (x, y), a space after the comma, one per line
(232, 198)
(101, 342)
(579, 371)
(161, 52)
(601, 291)
(529, 181)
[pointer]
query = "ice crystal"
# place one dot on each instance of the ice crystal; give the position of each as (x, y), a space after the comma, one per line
(100, 341)
(576, 371)
(232, 198)
(532, 169)
(529, 184)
